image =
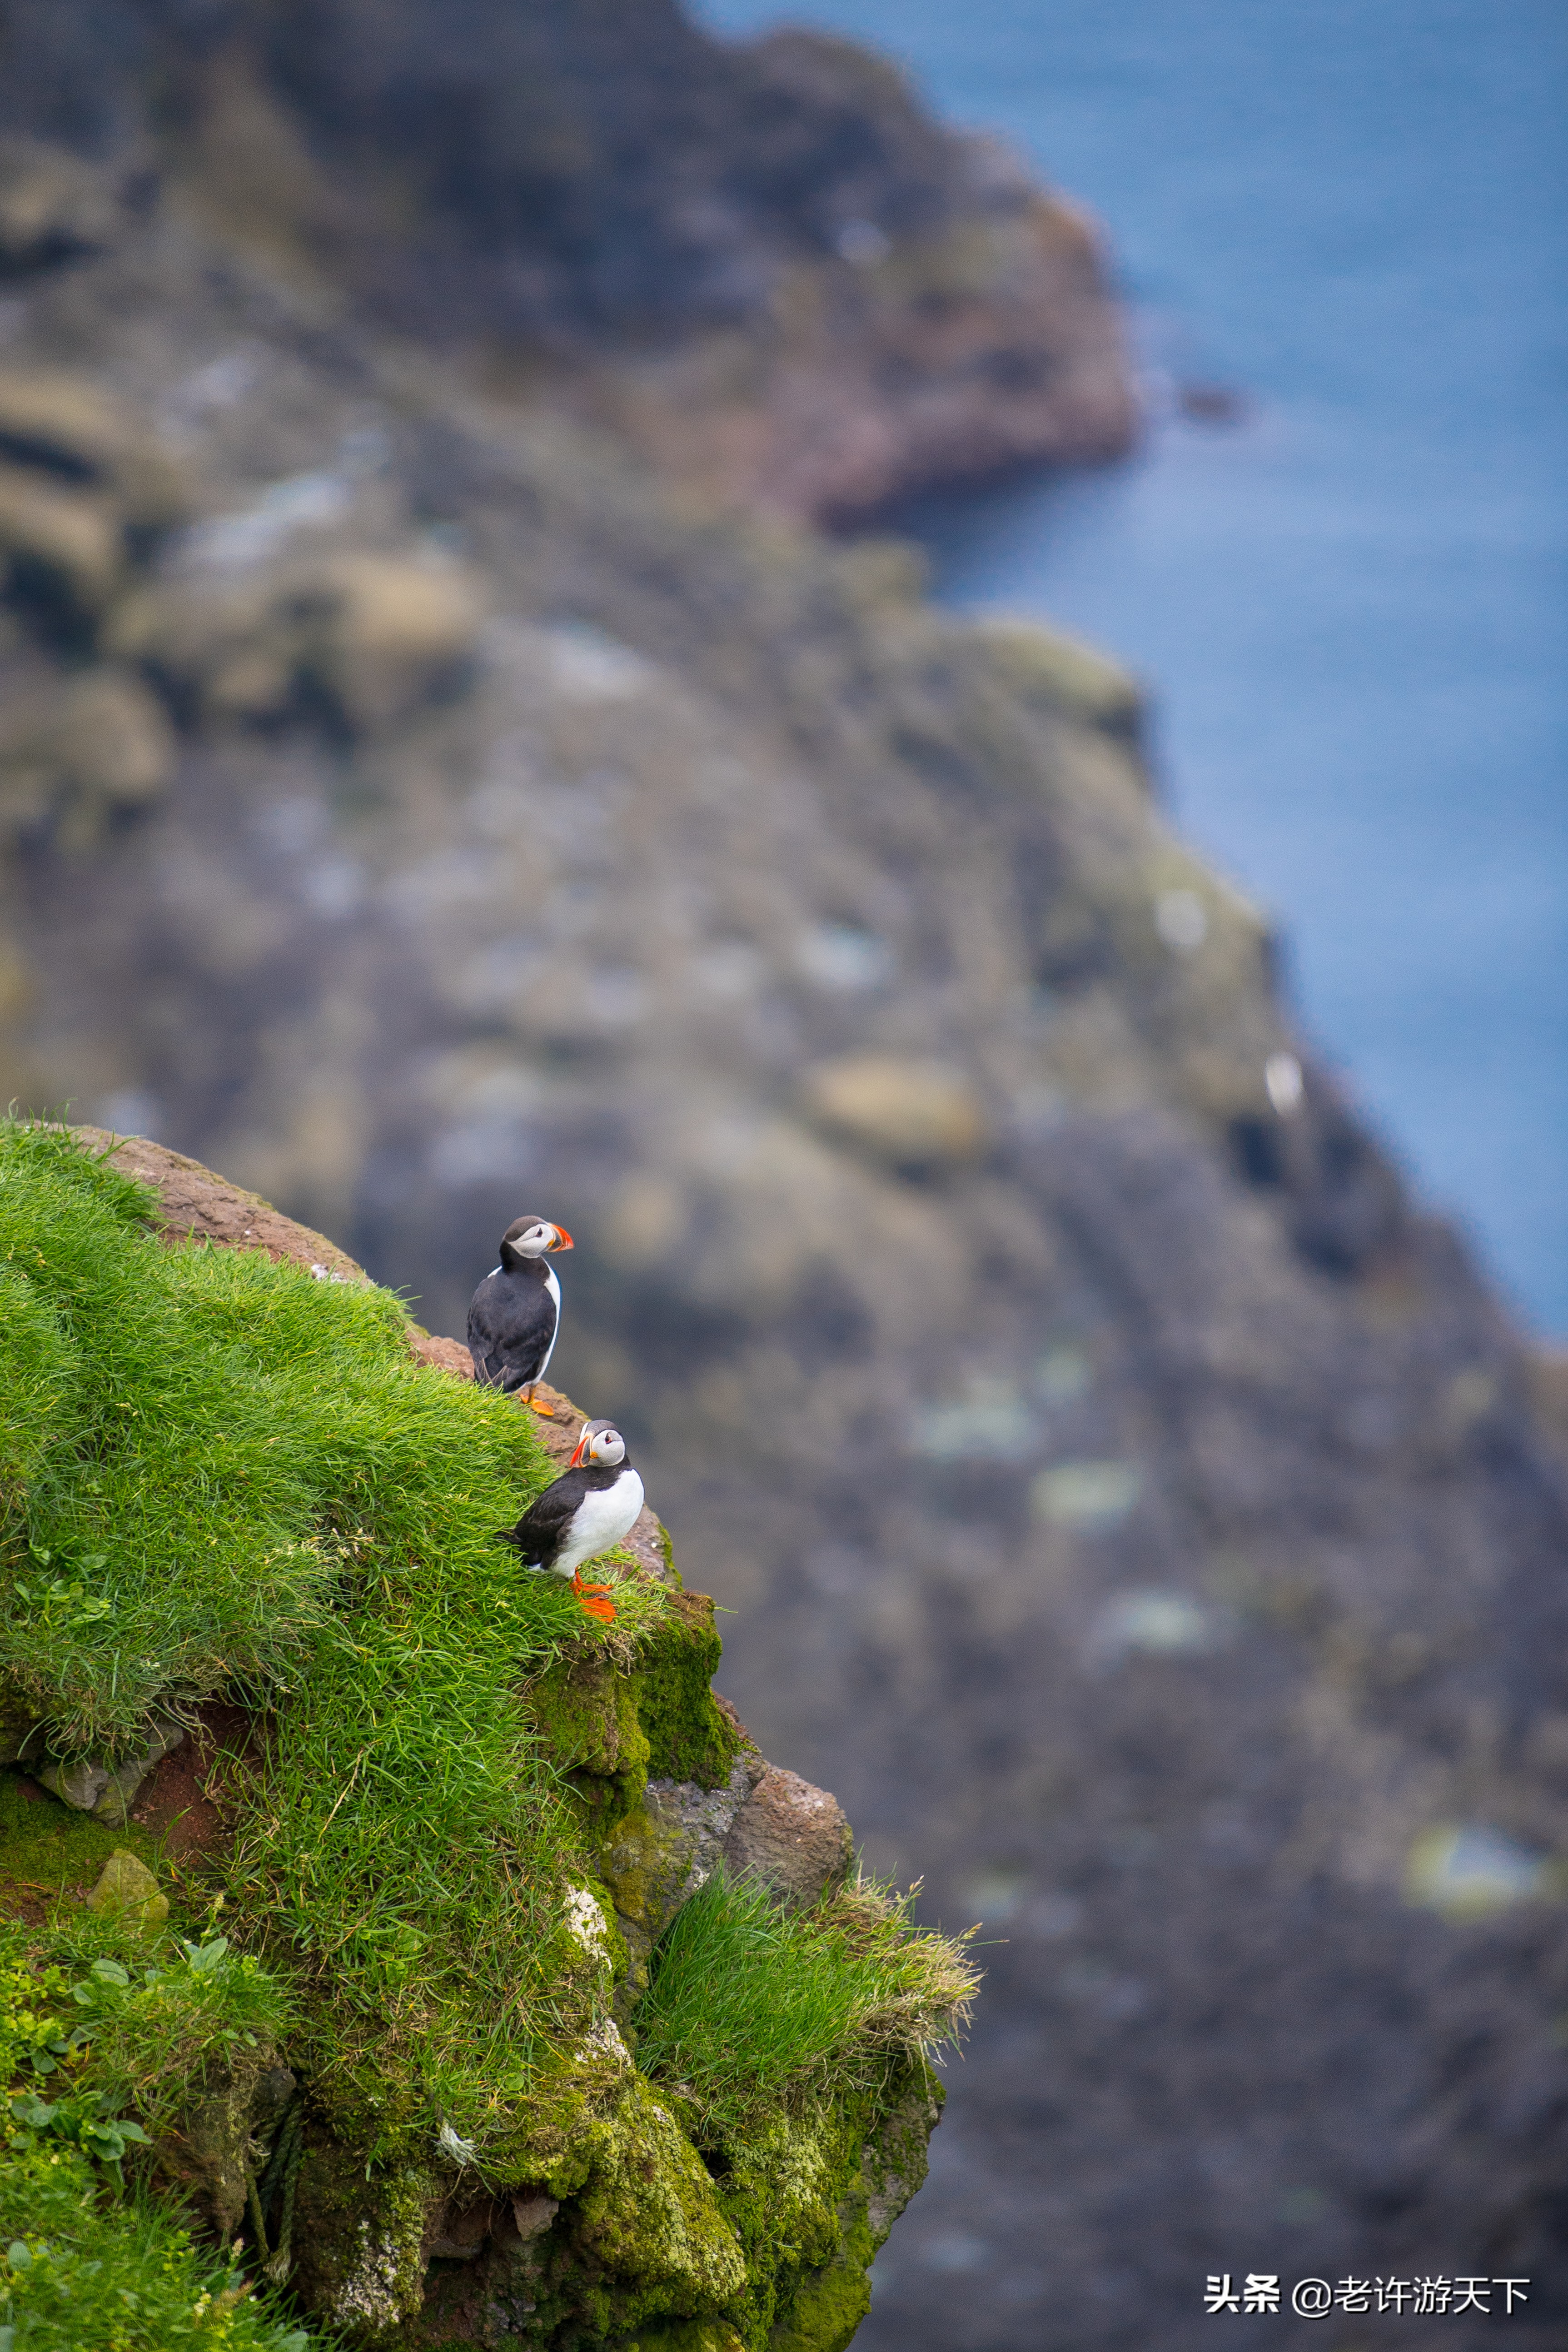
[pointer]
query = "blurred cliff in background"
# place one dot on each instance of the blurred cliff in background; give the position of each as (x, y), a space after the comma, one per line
(762, 264)
(441, 770)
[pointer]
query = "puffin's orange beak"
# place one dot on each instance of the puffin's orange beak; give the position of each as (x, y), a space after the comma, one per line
(577, 1450)
(562, 1239)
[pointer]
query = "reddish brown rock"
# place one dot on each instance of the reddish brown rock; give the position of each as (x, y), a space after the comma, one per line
(795, 1836)
(446, 1354)
(993, 346)
(197, 1205)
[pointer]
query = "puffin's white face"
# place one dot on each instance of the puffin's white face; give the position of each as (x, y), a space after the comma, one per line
(535, 1237)
(602, 1445)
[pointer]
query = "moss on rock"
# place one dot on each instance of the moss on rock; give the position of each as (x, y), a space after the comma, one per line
(360, 2241)
(49, 1849)
(648, 2238)
(813, 2196)
(689, 1736)
(586, 1712)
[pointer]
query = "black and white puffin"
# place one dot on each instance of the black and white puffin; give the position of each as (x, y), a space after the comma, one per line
(589, 1507)
(515, 1313)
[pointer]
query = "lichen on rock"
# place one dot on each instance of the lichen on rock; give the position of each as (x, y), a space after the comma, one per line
(823, 2190)
(126, 1890)
(360, 2241)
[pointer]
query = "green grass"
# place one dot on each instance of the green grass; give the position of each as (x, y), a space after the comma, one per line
(84, 2268)
(751, 2008)
(218, 1474)
(163, 2022)
(81, 2275)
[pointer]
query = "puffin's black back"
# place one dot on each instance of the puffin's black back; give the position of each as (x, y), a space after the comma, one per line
(511, 1323)
(543, 1529)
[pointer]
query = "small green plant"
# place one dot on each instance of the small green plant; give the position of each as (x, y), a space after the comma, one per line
(35, 2039)
(63, 1605)
(87, 2121)
(86, 2265)
(79, 2275)
(146, 2036)
(750, 2007)
(155, 2032)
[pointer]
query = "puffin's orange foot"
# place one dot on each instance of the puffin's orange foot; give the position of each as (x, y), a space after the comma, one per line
(545, 1411)
(592, 1597)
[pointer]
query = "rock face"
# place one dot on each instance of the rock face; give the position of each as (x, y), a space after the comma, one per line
(762, 261)
(109, 1789)
(665, 1849)
(1133, 1503)
(793, 1835)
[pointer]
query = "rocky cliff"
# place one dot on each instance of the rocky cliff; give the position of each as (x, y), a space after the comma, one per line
(1133, 1503)
(545, 2010)
(762, 263)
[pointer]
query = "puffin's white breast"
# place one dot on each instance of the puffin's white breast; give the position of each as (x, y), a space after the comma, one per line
(553, 1288)
(605, 1514)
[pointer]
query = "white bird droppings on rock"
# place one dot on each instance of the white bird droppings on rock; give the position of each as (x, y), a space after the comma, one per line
(1159, 1622)
(605, 2041)
(588, 665)
(1468, 1871)
(1086, 1494)
(586, 1922)
(369, 2296)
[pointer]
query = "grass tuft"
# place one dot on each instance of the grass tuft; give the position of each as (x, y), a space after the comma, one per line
(751, 2008)
(79, 2275)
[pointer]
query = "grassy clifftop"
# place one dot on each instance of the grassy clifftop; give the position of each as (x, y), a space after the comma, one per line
(404, 2043)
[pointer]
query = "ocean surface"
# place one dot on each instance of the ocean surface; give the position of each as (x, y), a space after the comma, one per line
(1350, 605)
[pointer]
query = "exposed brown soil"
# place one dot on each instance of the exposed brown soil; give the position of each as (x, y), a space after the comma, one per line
(197, 1205)
(445, 1355)
(181, 1799)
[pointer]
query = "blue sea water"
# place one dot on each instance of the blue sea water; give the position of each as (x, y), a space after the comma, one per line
(1351, 607)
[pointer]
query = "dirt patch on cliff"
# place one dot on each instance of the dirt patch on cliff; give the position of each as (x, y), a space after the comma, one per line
(181, 1801)
(197, 1205)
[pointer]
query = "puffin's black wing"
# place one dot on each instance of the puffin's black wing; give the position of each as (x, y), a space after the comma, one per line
(512, 1322)
(542, 1532)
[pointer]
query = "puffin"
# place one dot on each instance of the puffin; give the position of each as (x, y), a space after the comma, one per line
(589, 1507)
(515, 1313)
